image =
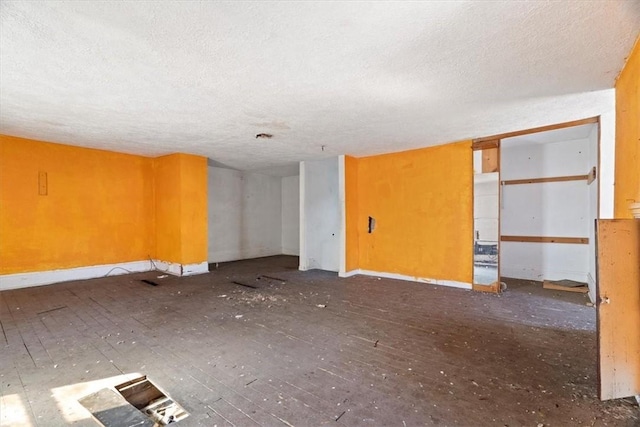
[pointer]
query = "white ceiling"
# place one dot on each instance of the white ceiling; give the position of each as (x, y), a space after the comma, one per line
(325, 78)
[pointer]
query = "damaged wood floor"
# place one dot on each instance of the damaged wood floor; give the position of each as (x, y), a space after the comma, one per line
(305, 349)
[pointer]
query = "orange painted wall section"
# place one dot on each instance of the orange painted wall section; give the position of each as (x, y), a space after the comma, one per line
(193, 213)
(167, 186)
(181, 208)
(97, 209)
(422, 204)
(627, 173)
(351, 217)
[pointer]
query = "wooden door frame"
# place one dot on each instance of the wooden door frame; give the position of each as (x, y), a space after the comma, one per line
(486, 144)
(495, 141)
(478, 142)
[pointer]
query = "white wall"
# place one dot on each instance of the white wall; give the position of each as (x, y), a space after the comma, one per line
(291, 215)
(320, 215)
(485, 206)
(245, 215)
(545, 209)
(566, 108)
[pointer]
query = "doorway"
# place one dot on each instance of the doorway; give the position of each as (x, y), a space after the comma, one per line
(535, 205)
(549, 202)
(486, 216)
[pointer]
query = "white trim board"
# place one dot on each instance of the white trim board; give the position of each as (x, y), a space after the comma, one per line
(591, 282)
(302, 260)
(40, 278)
(193, 269)
(439, 282)
(342, 195)
(177, 269)
(527, 273)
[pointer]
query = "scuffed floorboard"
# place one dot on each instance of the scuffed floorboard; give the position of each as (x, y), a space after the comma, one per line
(305, 349)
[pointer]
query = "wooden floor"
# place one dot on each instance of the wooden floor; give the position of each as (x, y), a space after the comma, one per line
(308, 350)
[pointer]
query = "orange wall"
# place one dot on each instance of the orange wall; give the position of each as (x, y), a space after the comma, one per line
(422, 203)
(627, 174)
(101, 207)
(181, 208)
(97, 209)
(167, 185)
(194, 216)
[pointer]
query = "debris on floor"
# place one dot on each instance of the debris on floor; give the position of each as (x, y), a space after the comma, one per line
(257, 297)
(525, 358)
(566, 285)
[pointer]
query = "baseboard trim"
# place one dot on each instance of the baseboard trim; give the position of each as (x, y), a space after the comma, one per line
(349, 273)
(177, 269)
(591, 282)
(439, 282)
(39, 278)
(172, 268)
(193, 269)
(230, 256)
(526, 273)
(48, 277)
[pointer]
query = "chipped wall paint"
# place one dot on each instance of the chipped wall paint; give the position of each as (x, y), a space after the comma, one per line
(422, 203)
(627, 172)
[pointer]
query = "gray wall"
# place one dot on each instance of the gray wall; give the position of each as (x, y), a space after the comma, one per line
(320, 238)
(245, 215)
(291, 215)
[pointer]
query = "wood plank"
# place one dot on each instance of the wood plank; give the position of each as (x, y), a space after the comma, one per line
(545, 239)
(139, 392)
(548, 179)
(538, 129)
(618, 307)
(184, 335)
(484, 145)
(550, 285)
(592, 175)
(493, 288)
(490, 160)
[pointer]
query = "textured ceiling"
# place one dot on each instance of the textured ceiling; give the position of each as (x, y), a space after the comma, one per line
(325, 78)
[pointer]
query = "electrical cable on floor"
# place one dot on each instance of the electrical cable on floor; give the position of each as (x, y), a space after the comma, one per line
(129, 271)
(155, 267)
(116, 268)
